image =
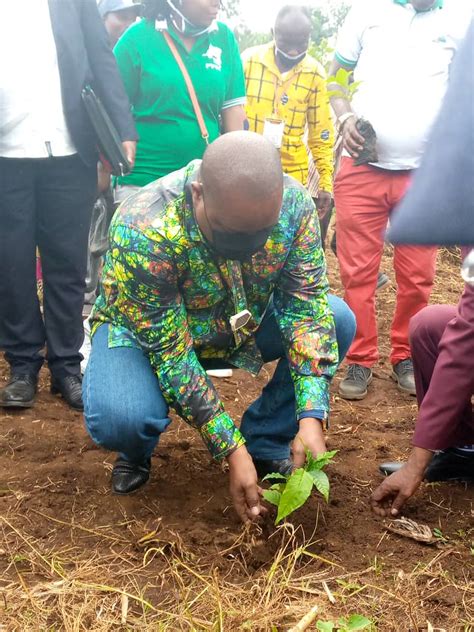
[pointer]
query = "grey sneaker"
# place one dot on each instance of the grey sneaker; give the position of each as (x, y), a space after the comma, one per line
(354, 385)
(403, 374)
(382, 281)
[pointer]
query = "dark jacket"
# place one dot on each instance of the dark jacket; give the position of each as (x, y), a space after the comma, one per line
(85, 57)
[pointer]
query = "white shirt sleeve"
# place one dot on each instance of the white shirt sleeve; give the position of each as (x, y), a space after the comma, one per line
(349, 41)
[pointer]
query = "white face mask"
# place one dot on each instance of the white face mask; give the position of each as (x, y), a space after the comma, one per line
(293, 59)
(185, 26)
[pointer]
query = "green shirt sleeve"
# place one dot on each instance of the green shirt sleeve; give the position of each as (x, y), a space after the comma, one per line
(150, 303)
(129, 63)
(304, 317)
(235, 92)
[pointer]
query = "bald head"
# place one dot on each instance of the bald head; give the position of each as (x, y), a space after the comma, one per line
(242, 182)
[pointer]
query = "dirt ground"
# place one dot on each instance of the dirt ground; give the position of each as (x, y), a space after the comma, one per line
(174, 557)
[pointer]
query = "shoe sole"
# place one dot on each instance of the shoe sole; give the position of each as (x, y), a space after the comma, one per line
(408, 391)
(28, 404)
(361, 395)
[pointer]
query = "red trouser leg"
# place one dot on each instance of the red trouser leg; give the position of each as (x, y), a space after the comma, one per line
(364, 198)
(414, 270)
(362, 210)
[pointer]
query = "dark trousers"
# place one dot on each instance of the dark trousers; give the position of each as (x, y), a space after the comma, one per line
(45, 203)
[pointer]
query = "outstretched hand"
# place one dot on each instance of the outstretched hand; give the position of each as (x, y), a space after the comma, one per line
(391, 495)
(244, 489)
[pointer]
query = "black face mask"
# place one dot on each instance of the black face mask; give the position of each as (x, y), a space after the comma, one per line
(239, 246)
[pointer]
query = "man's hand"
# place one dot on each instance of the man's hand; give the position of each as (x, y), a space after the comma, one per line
(352, 140)
(323, 203)
(103, 178)
(391, 495)
(310, 437)
(244, 489)
(130, 150)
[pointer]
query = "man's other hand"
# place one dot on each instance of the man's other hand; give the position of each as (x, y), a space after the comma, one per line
(323, 203)
(391, 495)
(244, 489)
(352, 140)
(130, 150)
(310, 437)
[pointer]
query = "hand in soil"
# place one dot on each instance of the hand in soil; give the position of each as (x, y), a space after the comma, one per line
(310, 437)
(244, 489)
(391, 495)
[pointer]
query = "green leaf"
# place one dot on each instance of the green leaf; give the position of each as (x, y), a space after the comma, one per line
(319, 462)
(321, 482)
(325, 626)
(357, 622)
(295, 494)
(272, 496)
(275, 475)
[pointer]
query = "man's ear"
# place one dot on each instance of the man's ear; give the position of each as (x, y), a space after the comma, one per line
(196, 188)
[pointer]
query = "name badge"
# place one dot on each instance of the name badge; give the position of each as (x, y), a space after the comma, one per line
(273, 130)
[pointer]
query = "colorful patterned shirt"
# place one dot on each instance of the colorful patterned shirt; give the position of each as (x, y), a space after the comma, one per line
(164, 290)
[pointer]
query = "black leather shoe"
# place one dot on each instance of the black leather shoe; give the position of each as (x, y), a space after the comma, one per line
(275, 466)
(19, 392)
(451, 465)
(70, 387)
(127, 477)
(391, 467)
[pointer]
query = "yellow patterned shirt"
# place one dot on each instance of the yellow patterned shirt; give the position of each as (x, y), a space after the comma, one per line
(299, 98)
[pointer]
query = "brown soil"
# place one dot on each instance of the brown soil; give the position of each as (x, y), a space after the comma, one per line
(59, 520)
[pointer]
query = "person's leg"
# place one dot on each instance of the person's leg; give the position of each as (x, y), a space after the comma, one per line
(324, 225)
(65, 195)
(415, 272)
(426, 330)
(269, 424)
(361, 217)
(22, 335)
(124, 409)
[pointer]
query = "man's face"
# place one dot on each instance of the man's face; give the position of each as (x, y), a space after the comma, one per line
(228, 234)
(292, 34)
(423, 5)
(117, 22)
(200, 12)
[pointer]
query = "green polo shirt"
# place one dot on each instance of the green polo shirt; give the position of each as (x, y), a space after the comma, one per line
(169, 134)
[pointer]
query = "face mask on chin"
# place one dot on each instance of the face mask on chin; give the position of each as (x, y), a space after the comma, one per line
(238, 246)
(185, 26)
(289, 61)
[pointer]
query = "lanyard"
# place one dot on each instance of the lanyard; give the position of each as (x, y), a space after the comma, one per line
(279, 90)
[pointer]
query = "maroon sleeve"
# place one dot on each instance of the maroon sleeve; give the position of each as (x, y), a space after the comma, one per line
(442, 413)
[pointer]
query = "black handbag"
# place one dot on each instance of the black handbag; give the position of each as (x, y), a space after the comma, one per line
(108, 141)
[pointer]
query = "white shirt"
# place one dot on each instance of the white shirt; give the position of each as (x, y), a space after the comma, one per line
(32, 122)
(402, 59)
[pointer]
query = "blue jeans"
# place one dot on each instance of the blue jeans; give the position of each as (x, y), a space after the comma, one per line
(126, 412)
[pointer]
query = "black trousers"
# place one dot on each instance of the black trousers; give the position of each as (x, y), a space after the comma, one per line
(46, 203)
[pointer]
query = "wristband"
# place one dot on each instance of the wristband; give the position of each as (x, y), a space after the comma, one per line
(344, 117)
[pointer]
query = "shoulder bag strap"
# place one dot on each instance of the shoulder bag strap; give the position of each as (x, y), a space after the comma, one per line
(189, 85)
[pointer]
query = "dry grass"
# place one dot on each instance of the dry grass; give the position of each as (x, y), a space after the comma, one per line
(160, 585)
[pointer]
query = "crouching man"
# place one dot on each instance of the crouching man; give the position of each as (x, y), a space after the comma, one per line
(218, 264)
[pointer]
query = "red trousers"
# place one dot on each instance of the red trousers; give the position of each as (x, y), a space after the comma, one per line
(364, 198)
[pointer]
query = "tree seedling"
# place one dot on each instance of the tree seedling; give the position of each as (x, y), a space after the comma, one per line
(353, 623)
(294, 489)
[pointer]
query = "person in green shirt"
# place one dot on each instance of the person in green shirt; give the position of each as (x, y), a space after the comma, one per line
(169, 133)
